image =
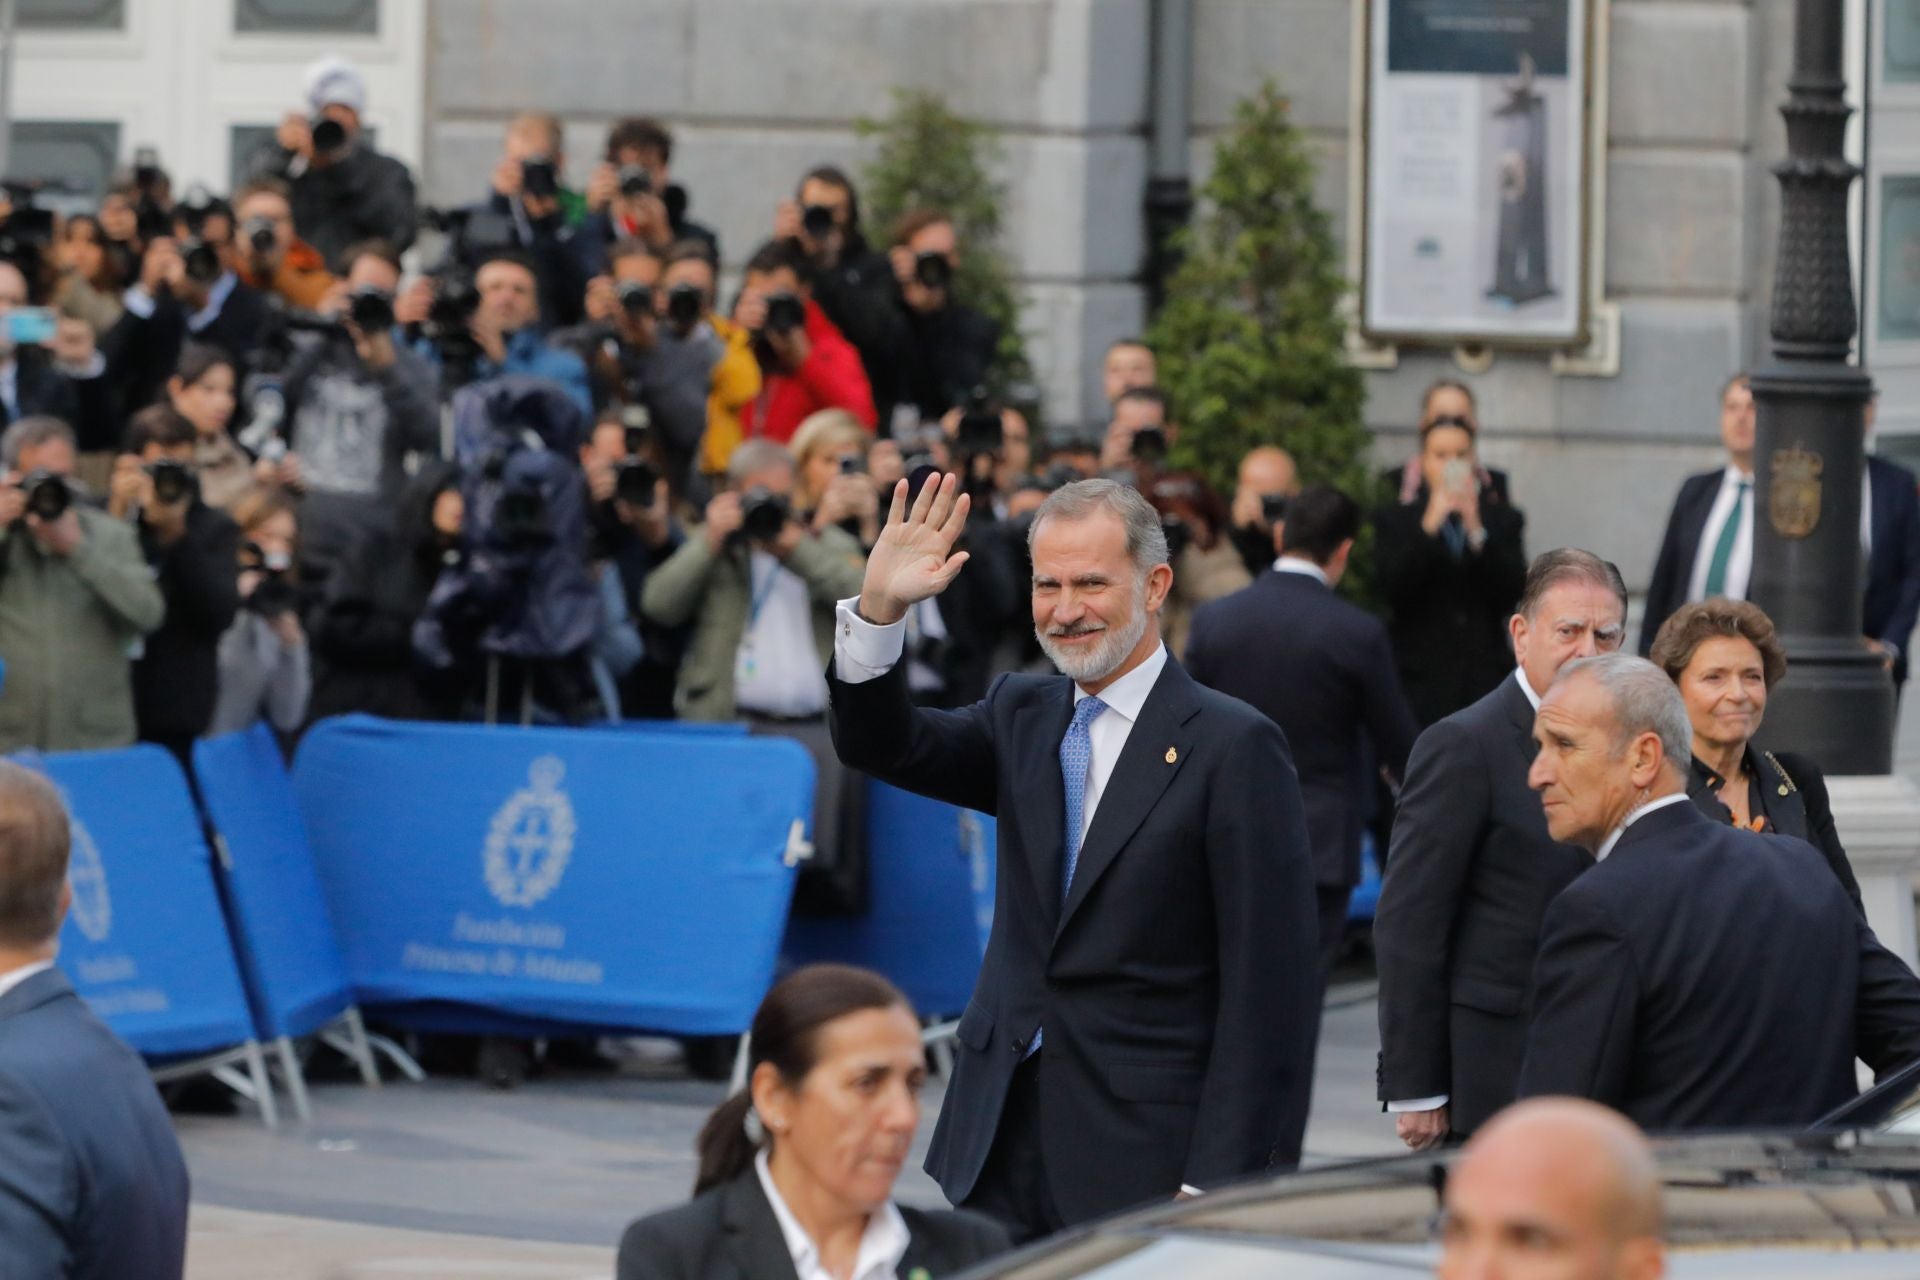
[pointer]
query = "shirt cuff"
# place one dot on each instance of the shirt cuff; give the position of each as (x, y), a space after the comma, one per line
(137, 300)
(1419, 1104)
(863, 651)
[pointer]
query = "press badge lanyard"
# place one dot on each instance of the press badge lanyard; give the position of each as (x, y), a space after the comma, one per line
(757, 600)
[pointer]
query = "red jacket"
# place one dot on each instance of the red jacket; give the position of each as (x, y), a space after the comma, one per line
(831, 378)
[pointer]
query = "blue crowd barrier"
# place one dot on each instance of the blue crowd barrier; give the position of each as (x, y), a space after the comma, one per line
(932, 869)
(483, 876)
(145, 943)
(296, 979)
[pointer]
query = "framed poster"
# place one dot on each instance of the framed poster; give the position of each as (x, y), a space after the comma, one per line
(1476, 159)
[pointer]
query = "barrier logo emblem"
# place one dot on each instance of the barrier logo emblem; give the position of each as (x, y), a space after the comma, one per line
(87, 875)
(531, 838)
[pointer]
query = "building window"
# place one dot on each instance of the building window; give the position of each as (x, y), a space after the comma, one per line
(75, 158)
(71, 15)
(307, 17)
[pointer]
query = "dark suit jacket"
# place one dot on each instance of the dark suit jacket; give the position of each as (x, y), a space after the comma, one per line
(1178, 985)
(1673, 570)
(1468, 880)
(1323, 670)
(730, 1233)
(1704, 977)
(1892, 602)
(1793, 796)
(92, 1186)
(1448, 617)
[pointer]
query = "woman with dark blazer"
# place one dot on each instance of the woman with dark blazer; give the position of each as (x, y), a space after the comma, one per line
(797, 1170)
(1725, 658)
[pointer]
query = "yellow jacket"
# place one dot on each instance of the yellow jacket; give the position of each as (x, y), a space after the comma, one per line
(736, 381)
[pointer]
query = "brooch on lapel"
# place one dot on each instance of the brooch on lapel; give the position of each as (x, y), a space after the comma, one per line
(1172, 755)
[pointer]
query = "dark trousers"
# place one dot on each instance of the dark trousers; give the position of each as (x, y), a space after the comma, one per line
(1012, 1188)
(1333, 901)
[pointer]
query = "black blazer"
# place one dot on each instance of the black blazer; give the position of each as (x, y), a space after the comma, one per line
(1323, 670)
(1468, 880)
(1793, 796)
(1892, 603)
(1673, 571)
(92, 1186)
(1179, 984)
(1447, 617)
(1704, 977)
(730, 1233)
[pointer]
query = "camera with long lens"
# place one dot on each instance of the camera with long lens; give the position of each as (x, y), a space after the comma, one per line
(539, 178)
(275, 592)
(635, 180)
(370, 308)
(685, 303)
(763, 514)
(48, 495)
(329, 135)
(817, 221)
(1150, 445)
(933, 270)
(785, 312)
(261, 234)
(635, 299)
(172, 481)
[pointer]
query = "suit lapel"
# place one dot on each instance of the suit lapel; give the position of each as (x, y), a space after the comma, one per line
(1042, 810)
(1140, 777)
(753, 1233)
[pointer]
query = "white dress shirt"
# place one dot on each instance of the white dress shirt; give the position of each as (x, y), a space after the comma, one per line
(14, 977)
(1440, 1100)
(1664, 802)
(1740, 563)
(1305, 568)
(882, 1245)
(776, 670)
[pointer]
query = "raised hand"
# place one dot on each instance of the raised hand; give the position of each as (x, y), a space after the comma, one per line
(914, 558)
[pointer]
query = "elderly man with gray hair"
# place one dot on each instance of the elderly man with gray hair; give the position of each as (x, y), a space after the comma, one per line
(92, 1185)
(1700, 976)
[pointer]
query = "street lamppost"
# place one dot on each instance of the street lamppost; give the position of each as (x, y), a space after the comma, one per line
(1810, 456)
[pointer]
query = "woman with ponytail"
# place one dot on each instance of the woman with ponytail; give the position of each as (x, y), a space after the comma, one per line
(797, 1169)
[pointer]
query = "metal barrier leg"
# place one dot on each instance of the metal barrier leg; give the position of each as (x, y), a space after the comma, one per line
(740, 1060)
(296, 1079)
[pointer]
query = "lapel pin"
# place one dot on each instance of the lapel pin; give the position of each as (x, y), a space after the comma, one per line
(1172, 755)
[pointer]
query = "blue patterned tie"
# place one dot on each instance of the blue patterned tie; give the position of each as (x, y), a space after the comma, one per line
(1076, 757)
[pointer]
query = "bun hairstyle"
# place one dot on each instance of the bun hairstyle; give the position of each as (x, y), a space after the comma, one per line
(786, 1032)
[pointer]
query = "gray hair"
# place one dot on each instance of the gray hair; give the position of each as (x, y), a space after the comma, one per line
(31, 433)
(755, 456)
(1645, 700)
(34, 840)
(1146, 539)
(1568, 564)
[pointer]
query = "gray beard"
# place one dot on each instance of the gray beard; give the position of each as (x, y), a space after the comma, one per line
(1103, 658)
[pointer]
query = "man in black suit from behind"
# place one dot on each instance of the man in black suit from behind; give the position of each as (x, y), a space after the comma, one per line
(1700, 976)
(1145, 1019)
(1472, 869)
(1323, 669)
(92, 1185)
(1707, 549)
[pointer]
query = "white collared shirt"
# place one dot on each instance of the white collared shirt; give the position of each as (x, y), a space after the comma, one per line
(14, 977)
(1740, 562)
(1664, 802)
(882, 1245)
(863, 652)
(1305, 568)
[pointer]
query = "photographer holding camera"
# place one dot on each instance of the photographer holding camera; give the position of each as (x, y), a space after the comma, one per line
(950, 346)
(75, 594)
(632, 196)
(505, 329)
(191, 549)
(264, 670)
(852, 282)
(357, 404)
(342, 190)
(805, 364)
(185, 291)
(267, 255)
(541, 213)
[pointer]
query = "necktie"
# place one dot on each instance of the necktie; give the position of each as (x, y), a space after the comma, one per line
(1723, 549)
(1076, 758)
